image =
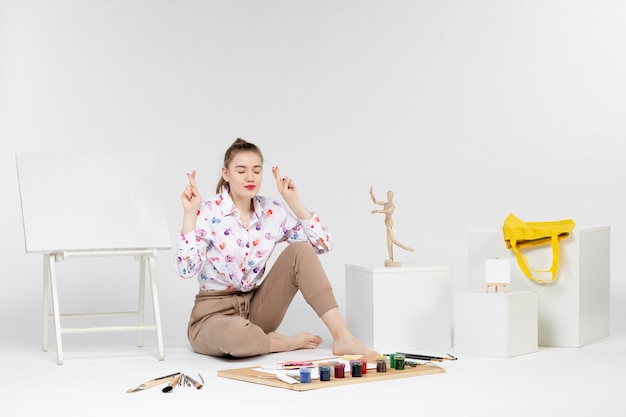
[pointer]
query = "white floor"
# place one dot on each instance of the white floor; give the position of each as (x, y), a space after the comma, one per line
(94, 377)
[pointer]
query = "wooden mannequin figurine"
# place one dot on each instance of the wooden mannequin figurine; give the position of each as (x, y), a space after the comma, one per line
(388, 209)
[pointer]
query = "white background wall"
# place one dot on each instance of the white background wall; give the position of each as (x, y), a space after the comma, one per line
(467, 110)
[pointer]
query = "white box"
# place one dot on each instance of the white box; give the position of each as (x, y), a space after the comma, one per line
(495, 324)
(575, 309)
(402, 308)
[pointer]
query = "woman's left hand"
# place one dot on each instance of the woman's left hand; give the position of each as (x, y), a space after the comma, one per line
(288, 191)
(286, 186)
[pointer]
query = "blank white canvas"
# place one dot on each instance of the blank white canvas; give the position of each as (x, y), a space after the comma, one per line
(91, 201)
(497, 271)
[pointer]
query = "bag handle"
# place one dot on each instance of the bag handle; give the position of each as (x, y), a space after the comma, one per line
(524, 264)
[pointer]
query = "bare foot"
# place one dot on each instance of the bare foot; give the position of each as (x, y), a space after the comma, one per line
(281, 343)
(353, 346)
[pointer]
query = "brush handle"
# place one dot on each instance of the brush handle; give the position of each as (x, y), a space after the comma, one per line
(193, 381)
(172, 383)
(151, 383)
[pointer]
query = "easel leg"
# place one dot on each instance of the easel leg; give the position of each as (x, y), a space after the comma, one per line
(55, 307)
(155, 307)
(142, 294)
(46, 300)
(496, 285)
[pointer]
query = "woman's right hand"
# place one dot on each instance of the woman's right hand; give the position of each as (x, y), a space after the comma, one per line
(190, 197)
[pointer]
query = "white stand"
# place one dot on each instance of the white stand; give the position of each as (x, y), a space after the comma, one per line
(51, 292)
(498, 325)
(400, 308)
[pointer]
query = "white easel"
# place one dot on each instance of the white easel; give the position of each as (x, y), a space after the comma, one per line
(497, 274)
(115, 196)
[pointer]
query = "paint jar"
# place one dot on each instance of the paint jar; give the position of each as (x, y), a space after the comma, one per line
(340, 370)
(392, 360)
(381, 364)
(399, 361)
(305, 375)
(356, 368)
(324, 373)
(364, 368)
(319, 365)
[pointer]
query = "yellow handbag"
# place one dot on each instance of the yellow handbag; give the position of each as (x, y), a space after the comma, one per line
(519, 234)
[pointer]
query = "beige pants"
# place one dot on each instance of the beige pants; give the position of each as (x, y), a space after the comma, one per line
(230, 323)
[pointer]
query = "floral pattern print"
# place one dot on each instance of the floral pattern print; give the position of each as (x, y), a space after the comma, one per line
(224, 254)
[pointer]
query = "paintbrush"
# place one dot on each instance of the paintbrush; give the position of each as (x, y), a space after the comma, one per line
(172, 383)
(154, 382)
(428, 358)
(193, 381)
